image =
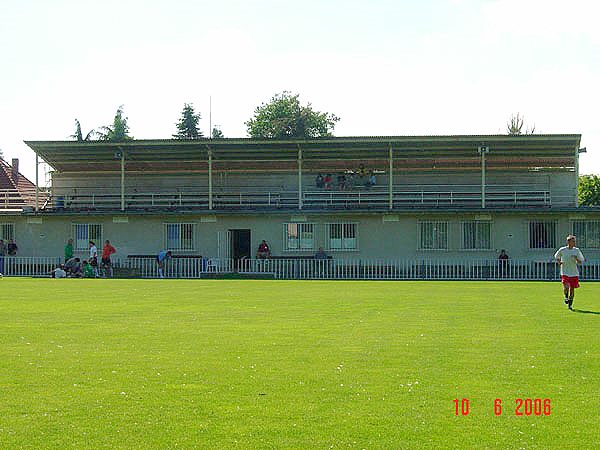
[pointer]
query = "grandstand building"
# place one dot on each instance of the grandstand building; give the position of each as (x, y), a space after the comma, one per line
(409, 197)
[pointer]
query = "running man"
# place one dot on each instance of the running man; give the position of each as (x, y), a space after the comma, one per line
(160, 260)
(568, 257)
(106, 263)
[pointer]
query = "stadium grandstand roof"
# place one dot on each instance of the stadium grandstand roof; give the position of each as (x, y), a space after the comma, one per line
(551, 151)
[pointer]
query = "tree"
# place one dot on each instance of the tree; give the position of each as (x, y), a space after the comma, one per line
(515, 125)
(187, 127)
(119, 131)
(217, 133)
(589, 190)
(284, 117)
(78, 136)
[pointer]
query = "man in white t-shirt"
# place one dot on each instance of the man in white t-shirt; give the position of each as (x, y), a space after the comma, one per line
(94, 258)
(568, 257)
(59, 272)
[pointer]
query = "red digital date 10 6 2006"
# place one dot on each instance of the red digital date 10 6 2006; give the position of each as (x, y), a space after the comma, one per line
(523, 407)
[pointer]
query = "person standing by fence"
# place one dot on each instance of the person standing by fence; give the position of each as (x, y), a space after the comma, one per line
(12, 248)
(69, 250)
(160, 260)
(94, 258)
(106, 263)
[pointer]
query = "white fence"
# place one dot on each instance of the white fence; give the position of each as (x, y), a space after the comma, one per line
(379, 269)
(316, 269)
(127, 267)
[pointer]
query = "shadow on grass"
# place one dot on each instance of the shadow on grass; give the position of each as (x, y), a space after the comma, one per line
(582, 311)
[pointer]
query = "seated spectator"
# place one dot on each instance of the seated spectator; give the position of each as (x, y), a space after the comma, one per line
(320, 182)
(88, 270)
(328, 181)
(341, 181)
(350, 178)
(12, 248)
(73, 268)
(321, 254)
(372, 181)
(264, 251)
(503, 260)
(361, 172)
(59, 272)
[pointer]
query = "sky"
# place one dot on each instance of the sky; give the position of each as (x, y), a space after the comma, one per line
(385, 67)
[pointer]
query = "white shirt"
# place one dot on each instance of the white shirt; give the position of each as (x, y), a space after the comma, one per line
(93, 251)
(59, 273)
(569, 264)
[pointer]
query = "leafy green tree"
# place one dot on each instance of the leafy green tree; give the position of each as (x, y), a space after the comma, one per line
(187, 127)
(78, 136)
(217, 133)
(119, 131)
(589, 190)
(515, 125)
(284, 117)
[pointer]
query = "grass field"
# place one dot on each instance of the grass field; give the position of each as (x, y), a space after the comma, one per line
(294, 364)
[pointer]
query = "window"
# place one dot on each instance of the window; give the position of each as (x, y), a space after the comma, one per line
(433, 235)
(83, 233)
(542, 234)
(7, 231)
(179, 236)
(587, 233)
(298, 237)
(477, 235)
(342, 236)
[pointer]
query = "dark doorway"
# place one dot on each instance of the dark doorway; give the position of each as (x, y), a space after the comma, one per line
(240, 244)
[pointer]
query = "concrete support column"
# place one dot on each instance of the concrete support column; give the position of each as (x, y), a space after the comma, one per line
(482, 150)
(37, 184)
(210, 185)
(122, 180)
(300, 177)
(391, 179)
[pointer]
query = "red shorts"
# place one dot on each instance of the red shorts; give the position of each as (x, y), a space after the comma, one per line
(572, 282)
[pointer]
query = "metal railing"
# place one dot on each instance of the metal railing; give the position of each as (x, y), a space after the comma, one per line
(317, 269)
(179, 267)
(17, 199)
(418, 269)
(361, 197)
(25, 266)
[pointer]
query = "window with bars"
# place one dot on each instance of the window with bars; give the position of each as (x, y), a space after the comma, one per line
(542, 234)
(179, 236)
(7, 231)
(433, 235)
(83, 233)
(476, 235)
(342, 236)
(298, 237)
(587, 233)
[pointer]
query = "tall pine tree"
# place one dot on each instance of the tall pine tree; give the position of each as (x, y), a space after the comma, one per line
(187, 127)
(119, 131)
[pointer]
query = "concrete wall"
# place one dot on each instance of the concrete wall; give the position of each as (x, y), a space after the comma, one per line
(377, 238)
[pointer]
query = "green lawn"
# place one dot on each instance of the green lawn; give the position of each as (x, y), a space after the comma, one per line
(295, 364)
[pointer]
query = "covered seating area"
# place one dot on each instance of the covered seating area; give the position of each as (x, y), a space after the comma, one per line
(412, 172)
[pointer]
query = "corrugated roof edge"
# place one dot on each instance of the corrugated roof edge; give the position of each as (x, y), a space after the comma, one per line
(467, 137)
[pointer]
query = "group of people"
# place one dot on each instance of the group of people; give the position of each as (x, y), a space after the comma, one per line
(73, 267)
(348, 180)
